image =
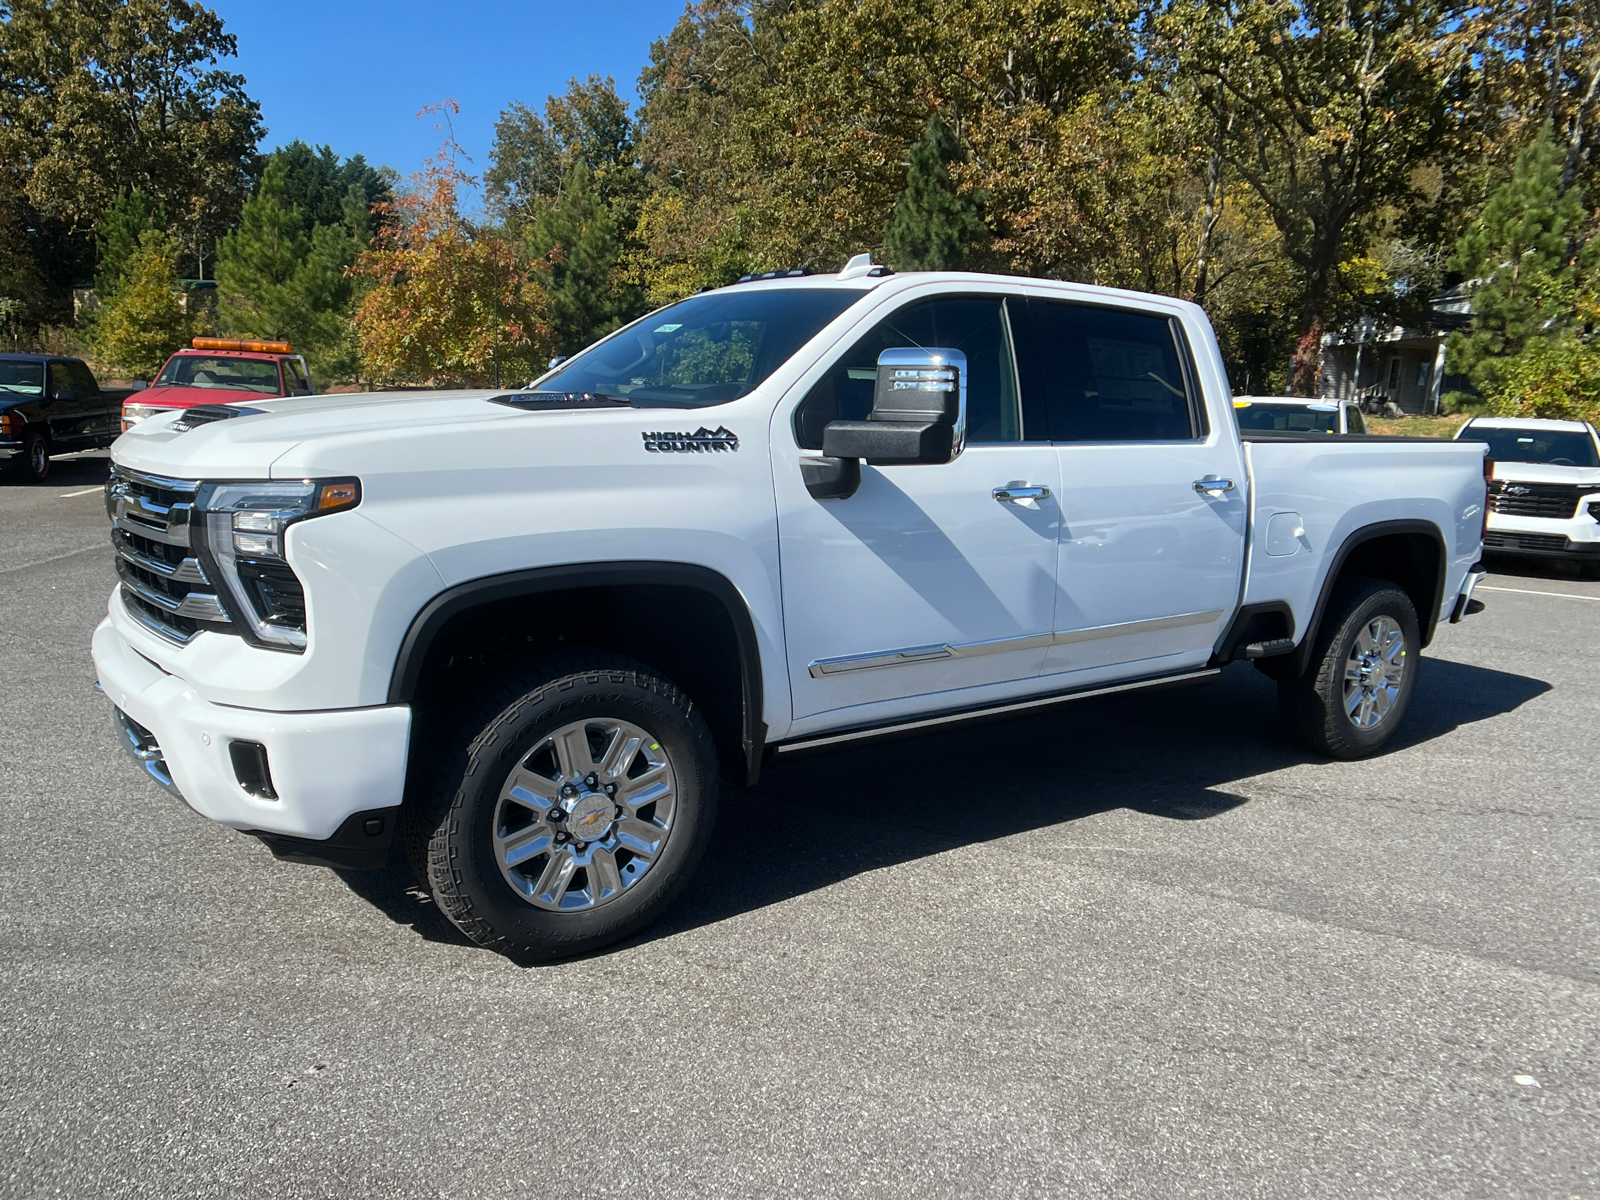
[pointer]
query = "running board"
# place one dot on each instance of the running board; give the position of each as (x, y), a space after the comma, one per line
(993, 712)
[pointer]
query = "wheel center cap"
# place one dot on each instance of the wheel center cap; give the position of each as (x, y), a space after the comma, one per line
(590, 818)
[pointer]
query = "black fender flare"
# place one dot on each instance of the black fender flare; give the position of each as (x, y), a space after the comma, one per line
(1358, 537)
(438, 612)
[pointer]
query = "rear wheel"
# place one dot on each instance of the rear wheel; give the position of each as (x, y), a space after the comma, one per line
(1362, 674)
(576, 814)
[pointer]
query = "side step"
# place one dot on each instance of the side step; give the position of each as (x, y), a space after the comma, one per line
(1008, 709)
(1268, 649)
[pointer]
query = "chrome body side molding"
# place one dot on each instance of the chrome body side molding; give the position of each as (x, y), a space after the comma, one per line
(915, 654)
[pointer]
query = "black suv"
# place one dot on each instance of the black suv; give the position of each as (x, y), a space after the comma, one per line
(51, 405)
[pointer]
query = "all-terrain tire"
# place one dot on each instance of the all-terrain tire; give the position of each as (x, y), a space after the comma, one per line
(1327, 708)
(456, 814)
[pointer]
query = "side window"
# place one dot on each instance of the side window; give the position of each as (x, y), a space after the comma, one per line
(976, 325)
(61, 380)
(1358, 423)
(295, 377)
(1108, 374)
(87, 387)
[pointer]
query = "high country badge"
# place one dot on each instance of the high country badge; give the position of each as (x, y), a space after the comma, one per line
(701, 441)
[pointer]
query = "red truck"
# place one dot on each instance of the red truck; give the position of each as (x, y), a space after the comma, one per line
(220, 371)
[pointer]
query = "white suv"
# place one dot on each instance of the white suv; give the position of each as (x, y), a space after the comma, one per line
(1544, 497)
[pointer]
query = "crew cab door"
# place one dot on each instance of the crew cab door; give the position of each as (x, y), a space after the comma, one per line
(1152, 496)
(923, 581)
(69, 413)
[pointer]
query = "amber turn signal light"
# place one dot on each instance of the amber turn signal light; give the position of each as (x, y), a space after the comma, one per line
(211, 343)
(344, 494)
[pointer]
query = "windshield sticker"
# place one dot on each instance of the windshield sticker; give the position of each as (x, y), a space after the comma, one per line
(702, 440)
(668, 328)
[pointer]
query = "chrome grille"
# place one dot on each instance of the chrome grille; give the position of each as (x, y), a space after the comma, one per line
(1558, 500)
(164, 586)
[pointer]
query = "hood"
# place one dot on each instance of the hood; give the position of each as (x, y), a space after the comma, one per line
(247, 446)
(189, 397)
(1546, 473)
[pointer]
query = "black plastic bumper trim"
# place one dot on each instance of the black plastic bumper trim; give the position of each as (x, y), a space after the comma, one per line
(361, 843)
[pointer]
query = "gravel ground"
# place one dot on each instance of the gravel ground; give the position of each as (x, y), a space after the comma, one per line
(1133, 948)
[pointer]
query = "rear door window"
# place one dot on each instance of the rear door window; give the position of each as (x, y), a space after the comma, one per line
(1109, 374)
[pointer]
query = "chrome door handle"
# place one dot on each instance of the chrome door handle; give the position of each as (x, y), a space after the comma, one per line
(1021, 493)
(1212, 486)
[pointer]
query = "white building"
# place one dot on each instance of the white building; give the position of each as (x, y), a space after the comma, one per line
(1368, 360)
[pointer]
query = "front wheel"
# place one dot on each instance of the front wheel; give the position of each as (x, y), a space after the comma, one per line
(580, 811)
(1362, 674)
(34, 465)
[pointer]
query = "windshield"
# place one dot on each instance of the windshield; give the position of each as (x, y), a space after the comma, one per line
(1321, 419)
(244, 374)
(22, 378)
(1557, 447)
(704, 350)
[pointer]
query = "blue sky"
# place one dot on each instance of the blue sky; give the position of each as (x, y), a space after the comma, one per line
(352, 74)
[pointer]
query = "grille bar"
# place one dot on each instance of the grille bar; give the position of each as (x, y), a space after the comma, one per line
(164, 586)
(1552, 500)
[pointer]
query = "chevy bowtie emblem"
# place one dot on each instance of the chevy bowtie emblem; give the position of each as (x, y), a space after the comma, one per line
(591, 819)
(1517, 491)
(702, 440)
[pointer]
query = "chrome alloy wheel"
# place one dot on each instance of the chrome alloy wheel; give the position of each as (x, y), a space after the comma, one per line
(1374, 672)
(38, 458)
(585, 815)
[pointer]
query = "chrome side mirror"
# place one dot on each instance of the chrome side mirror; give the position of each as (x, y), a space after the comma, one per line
(919, 411)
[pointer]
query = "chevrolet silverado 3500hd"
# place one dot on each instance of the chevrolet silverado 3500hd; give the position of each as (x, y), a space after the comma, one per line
(524, 634)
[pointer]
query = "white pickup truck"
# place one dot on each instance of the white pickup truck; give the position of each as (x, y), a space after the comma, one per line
(526, 633)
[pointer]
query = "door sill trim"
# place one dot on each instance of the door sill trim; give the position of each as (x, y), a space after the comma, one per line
(994, 711)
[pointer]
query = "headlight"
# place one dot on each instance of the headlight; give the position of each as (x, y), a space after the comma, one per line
(246, 524)
(132, 414)
(1594, 509)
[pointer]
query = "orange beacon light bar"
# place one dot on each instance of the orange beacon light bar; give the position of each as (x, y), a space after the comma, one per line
(208, 343)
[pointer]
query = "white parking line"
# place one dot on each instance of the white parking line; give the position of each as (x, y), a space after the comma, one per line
(85, 492)
(1484, 587)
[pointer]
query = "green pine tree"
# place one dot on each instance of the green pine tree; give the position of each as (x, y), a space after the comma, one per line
(1518, 251)
(575, 243)
(117, 234)
(932, 227)
(258, 294)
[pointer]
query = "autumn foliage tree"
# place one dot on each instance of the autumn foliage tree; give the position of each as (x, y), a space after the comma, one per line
(446, 301)
(144, 320)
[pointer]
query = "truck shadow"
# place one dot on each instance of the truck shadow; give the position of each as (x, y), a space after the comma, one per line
(831, 815)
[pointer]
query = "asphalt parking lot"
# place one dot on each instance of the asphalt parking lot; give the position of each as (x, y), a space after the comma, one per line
(1138, 947)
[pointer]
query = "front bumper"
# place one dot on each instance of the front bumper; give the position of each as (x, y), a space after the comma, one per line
(1576, 537)
(326, 767)
(9, 450)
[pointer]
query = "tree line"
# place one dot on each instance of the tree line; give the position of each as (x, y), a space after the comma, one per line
(1291, 165)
